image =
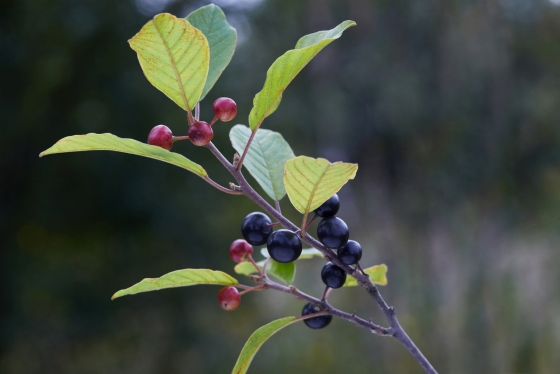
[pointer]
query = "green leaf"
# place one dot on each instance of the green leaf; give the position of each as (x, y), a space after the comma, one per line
(284, 272)
(179, 278)
(377, 274)
(265, 158)
(305, 254)
(256, 340)
(310, 182)
(285, 69)
(110, 142)
(174, 56)
(222, 38)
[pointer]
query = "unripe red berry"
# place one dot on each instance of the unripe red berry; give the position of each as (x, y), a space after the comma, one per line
(229, 298)
(161, 136)
(225, 109)
(200, 133)
(239, 249)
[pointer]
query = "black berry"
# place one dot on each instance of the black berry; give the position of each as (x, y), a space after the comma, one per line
(351, 253)
(315, 322)
(332, 275)
(225, 109)
(333, 232)
(284, 246)
(329, 208)
(256, 228)
(200, 133)
(161, 136)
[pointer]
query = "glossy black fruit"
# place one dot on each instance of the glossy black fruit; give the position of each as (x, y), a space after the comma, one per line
(256, 228)
(333, 232)
(351, 253)
(284, 246)
(332, 275)
(315, 322)
(329, 207)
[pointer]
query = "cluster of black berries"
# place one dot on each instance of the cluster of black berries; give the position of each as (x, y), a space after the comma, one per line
(200, 133)
(333, 233)
(285, 246)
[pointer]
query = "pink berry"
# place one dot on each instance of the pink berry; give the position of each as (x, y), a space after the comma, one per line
(239, 249)
(229, 298)
(161, 136)
(200, 133)
(225, 109)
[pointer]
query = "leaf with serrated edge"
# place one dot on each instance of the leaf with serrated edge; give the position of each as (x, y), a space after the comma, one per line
(310, 182)
(110, 142)
(377, 274)
(222, 38)
(174, 56)
(285, 69)
(285, 272)
(179, 278)
(256, 340)
(305, 253)
(265, 158)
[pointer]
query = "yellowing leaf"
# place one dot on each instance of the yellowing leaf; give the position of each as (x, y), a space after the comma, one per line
(285, 69)
(174, 56)
(110, 142)
(377, 274)
(256, 340)
(310, 182)
(179, 278)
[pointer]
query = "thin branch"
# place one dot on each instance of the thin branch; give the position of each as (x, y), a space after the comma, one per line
(197, 111)
(240, 163)
(376, 329)
(222, 188)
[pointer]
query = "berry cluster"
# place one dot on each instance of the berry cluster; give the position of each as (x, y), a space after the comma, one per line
(200, 133)
(333, 233)
(285, 246)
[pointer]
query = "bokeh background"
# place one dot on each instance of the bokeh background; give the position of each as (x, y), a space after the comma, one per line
(451, 109)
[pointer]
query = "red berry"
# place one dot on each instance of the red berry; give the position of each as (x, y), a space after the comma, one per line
(229, 298)
(225, 109)
(239, 249)
(161, 136)
(200, 133)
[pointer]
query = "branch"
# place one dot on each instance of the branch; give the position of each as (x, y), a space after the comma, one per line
(363, 279)
(221, 188)
(376, 329)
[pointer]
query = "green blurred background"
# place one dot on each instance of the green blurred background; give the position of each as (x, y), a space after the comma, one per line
(451, 109)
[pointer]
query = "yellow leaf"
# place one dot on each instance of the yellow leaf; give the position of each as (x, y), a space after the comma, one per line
(310, 182)
(110, 142)
(179, 278)
(175, 58)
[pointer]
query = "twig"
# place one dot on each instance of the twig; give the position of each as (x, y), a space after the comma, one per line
(240, 163)
(221, 188)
